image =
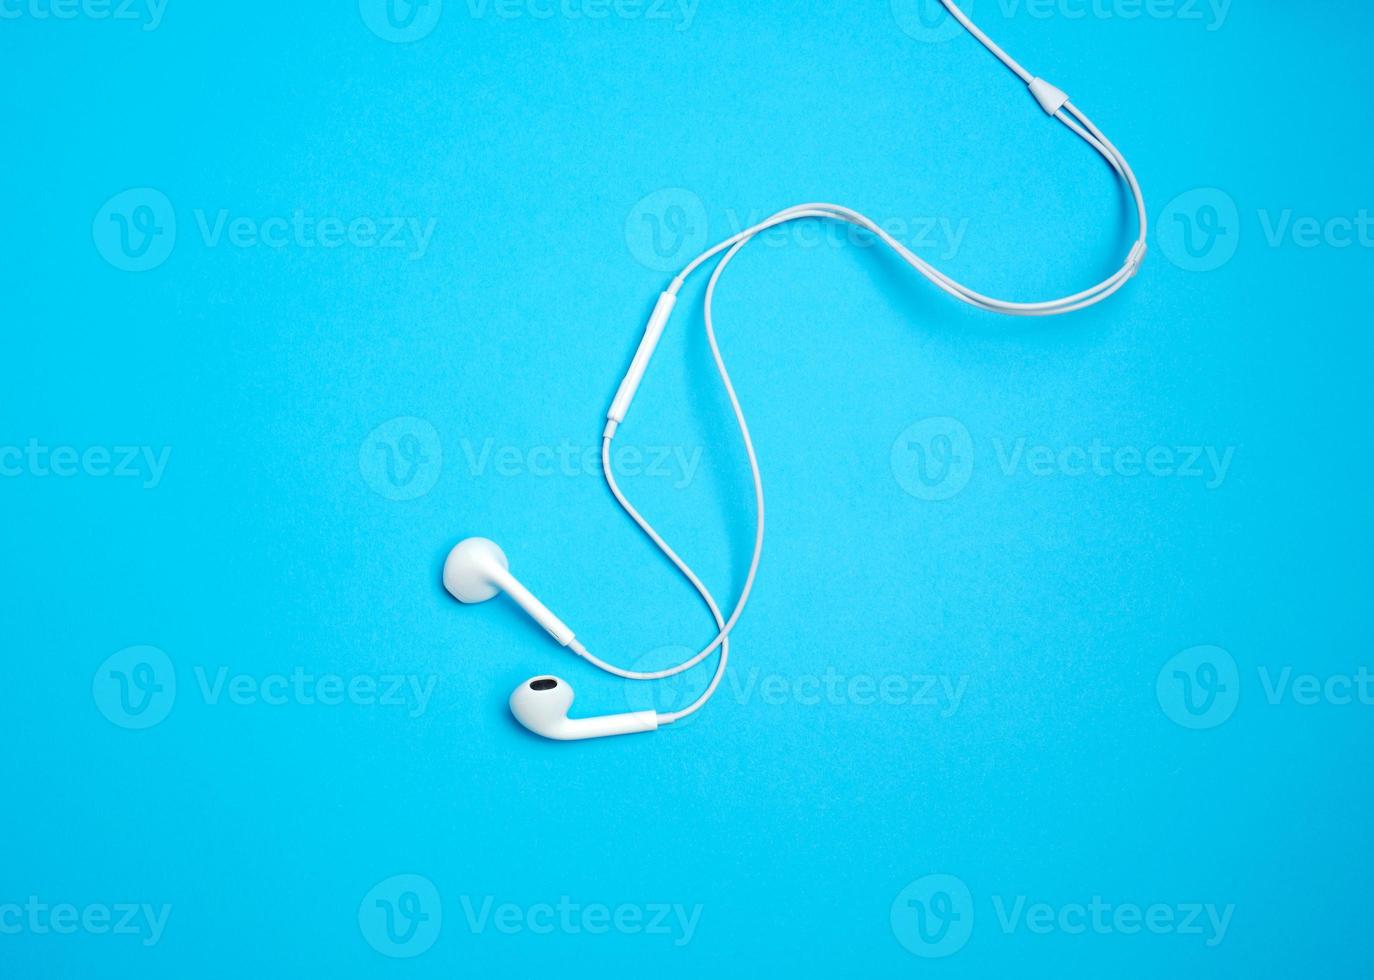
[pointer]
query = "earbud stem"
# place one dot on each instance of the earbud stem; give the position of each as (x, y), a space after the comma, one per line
(572, 729)
(539, 612)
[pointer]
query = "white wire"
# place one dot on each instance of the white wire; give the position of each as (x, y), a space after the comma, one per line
(1071, 118)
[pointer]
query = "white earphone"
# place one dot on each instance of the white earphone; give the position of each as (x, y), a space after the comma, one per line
(477, 569)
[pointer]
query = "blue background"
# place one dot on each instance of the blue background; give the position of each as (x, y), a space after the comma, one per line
(271, 545)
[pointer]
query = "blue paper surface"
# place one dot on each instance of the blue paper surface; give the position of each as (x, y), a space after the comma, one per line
(1058, 659)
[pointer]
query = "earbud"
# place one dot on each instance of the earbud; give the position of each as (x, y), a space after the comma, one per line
(477, 569)
(541, 704)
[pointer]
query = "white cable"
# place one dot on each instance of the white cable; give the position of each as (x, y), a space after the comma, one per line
(1055, 103)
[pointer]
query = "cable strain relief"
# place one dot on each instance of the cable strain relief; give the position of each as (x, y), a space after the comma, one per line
(1136, 257)
(609, 432)
(1051, 99)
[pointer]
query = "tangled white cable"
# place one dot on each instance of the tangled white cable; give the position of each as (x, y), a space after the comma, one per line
(541, 704)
